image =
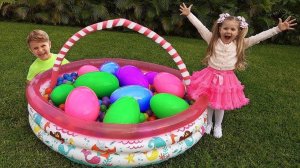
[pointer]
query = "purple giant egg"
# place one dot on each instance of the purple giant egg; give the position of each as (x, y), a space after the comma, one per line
(131, 75)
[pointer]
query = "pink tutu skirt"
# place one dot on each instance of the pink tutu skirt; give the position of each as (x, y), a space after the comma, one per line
(223, 88)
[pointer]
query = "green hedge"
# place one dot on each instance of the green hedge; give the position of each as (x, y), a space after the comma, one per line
(162, 16)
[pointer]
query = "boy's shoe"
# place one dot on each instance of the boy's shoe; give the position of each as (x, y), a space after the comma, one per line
(218, 132)
(208, 128)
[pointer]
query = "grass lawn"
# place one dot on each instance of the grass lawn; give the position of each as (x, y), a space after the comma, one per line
(265, 133)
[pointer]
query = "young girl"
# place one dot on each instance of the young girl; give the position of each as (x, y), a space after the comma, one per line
(225, 53)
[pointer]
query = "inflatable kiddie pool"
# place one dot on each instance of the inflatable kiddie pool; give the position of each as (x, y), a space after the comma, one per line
(99, 144)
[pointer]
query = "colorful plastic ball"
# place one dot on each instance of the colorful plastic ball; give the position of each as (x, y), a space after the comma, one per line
(100, 102)
(151, 118)
(70, 78)
(131, 75)
(74, 74)
(166, 105)
(87, 68)
(82, 103)
(168, 83)
(62, 107)
(106, 101)
(110, 67)
(48, 90)
(103, 108)
(101, 116)
(149, 112)
(60, 93)
(65, 76)
(60, 79)
(46, 97)
(59, 83)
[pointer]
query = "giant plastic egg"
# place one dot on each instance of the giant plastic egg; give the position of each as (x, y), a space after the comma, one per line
(124, 111)
(150, 76)
(166, 105)
(82, 103)
(86, 69)
(139, 93)
(168, 83)
(60, 93)
(131, 75)
(102, 83)
(110, 67)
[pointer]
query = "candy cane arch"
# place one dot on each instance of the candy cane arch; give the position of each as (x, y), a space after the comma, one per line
(117, 23)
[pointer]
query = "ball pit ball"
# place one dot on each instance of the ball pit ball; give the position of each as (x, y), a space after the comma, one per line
(101, 116)
(62, 107)
(82, 103)
(74, 74)
(48, 91)
(87, 68)
(103, 108)
(60, 79)
(106, 101)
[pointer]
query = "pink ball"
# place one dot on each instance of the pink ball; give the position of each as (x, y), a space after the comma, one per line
(86, 68)
(168, 83)
(82, 103)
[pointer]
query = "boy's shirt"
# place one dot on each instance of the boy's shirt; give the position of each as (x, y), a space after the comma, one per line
(39, 66)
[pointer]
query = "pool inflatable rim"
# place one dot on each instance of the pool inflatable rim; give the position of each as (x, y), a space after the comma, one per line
(110, 131)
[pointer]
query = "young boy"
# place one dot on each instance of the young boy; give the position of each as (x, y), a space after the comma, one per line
(39, 45)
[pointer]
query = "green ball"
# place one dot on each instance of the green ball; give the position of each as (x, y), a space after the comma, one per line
(103, 108)
(102, 83)
(166, 105)
(60, 93)
(123, 111)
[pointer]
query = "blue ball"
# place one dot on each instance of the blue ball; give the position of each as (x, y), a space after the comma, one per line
(60, 79)
(66, 76)
(69, 78)
(59, 83)
(74, 74)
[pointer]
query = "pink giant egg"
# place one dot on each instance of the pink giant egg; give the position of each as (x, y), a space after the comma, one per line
(87, 68)
(82, 103)
(168, 83)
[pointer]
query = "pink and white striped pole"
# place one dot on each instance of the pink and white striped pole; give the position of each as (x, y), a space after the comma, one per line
(117, 23)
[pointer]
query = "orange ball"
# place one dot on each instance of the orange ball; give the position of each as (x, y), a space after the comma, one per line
(48, 91)
(46, 97)
(151, 118)
(62, 107)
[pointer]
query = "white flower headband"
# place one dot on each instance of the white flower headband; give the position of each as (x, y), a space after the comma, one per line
(223, 16)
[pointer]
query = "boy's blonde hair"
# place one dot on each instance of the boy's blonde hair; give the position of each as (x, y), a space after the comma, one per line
(37, 35)
(240, 49)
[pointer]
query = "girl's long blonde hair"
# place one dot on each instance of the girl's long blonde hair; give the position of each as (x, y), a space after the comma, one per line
(240, 49)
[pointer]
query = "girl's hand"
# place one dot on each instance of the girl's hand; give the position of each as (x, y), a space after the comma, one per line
(185, 10)
(287, 24)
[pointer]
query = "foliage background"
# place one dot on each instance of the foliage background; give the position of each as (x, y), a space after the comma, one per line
(162, 16)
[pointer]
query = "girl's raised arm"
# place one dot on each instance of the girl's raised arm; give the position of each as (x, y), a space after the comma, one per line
(288, 24)
(204, 32)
